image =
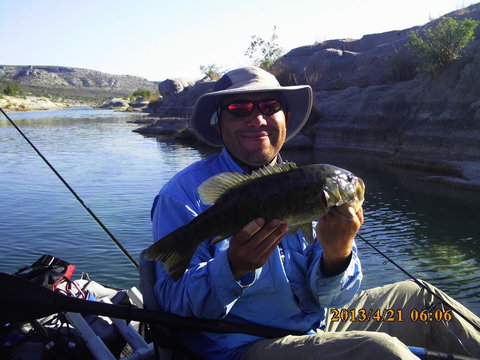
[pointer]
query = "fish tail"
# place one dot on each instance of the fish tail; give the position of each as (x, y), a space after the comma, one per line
(175, 251)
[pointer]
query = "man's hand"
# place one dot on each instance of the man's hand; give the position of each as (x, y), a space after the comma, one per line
(251, 247)
(336, 232)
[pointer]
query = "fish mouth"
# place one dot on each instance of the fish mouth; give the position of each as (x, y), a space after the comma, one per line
(336, 196)
(359, 194)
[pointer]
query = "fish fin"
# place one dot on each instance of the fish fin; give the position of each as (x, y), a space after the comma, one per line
(306, 230)
(274, 169)
(175, 252)
(211, 189)
(293, 229)
(332, 196)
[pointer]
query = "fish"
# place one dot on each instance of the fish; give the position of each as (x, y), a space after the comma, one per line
(296, 195)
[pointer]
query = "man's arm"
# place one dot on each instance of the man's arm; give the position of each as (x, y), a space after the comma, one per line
(335, 273)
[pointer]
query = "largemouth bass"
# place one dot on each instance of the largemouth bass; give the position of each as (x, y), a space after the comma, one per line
(295, 195)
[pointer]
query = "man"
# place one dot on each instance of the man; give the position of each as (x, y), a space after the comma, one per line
(262, 275)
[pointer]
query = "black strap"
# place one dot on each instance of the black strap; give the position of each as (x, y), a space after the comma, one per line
(44, 261)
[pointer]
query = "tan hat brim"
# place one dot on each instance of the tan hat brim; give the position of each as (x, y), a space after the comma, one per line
(298, 101)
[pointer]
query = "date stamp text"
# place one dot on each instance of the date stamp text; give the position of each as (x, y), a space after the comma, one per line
(399, 315)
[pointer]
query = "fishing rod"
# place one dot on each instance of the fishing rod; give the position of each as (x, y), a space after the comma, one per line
(92, 214)
(419, 283)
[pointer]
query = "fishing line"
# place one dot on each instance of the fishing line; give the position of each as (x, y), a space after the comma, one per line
(92, 214)
(419, 283)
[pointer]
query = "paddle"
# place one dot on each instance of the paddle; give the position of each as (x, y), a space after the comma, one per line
(23, 300)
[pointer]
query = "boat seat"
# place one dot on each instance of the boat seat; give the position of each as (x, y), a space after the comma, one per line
(165, 338)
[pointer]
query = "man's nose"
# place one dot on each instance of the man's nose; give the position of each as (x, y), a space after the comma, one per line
(256, 118)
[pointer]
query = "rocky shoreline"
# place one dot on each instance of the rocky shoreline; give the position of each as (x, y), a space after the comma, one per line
(34, 103)
(463, 175)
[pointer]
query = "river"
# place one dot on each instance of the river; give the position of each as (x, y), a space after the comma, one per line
(432, 231)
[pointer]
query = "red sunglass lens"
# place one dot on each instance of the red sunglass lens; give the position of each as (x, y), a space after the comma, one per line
(240, 109)
(269, 107)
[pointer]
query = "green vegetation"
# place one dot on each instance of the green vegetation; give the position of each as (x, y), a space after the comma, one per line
(404, 66)
(144, 95)
(212, 71)
(443, 44)
(264, 53)
(11, 89)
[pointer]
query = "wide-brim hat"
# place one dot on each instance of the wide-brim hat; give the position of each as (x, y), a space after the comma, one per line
(298, 101)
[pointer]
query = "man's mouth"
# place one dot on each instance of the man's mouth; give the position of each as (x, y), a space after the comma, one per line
(256, 136)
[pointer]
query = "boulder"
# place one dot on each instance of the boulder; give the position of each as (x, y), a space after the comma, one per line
(115, 103)
(171, 88)
(181, 104)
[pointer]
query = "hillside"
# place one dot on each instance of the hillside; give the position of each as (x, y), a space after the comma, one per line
(59, 81)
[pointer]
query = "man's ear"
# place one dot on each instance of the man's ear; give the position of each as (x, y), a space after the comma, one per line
(219, 129)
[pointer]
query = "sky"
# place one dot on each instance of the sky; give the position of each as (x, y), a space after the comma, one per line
(166, 39)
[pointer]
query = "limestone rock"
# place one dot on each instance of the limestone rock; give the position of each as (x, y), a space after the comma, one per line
(116, 103)
(173, 87)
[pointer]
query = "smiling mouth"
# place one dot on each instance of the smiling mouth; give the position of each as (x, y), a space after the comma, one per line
(253, 136)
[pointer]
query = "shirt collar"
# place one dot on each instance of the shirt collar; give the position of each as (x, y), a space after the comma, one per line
(237, 165)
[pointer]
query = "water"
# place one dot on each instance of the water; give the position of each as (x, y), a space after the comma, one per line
(431, 231)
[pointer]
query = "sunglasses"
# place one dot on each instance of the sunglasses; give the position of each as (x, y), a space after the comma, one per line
(242, 108)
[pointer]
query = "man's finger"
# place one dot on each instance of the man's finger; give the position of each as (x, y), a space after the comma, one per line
(340, 210)
(252, 227)
(271, 242)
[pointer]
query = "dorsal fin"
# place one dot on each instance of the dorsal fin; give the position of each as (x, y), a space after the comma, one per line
(274, 169)
(211, 189)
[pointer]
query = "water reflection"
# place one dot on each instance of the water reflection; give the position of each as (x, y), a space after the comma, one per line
(431, 231)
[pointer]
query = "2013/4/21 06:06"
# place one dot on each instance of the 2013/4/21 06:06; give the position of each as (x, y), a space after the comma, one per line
(390, 315)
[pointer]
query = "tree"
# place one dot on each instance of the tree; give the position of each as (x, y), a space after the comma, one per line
(264, 53)
(443, 44)
(212, 71)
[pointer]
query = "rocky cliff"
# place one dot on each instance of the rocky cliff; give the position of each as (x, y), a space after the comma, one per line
(427, 121)
(368, 98)
(73, 82)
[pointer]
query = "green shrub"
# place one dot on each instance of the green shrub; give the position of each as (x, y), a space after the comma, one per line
(264, 53)
(443, 44)
(404, 66)
(142, 93)
(212, 71)
(154, 96)
(11, 89)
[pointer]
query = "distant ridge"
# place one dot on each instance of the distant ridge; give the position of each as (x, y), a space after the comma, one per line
(71, 82)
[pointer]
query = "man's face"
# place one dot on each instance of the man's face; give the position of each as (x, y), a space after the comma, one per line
(254, 139)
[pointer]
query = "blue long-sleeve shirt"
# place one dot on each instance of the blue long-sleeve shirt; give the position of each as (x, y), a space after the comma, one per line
(289, 291)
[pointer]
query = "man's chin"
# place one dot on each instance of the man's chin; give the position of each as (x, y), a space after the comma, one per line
(261, 159)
